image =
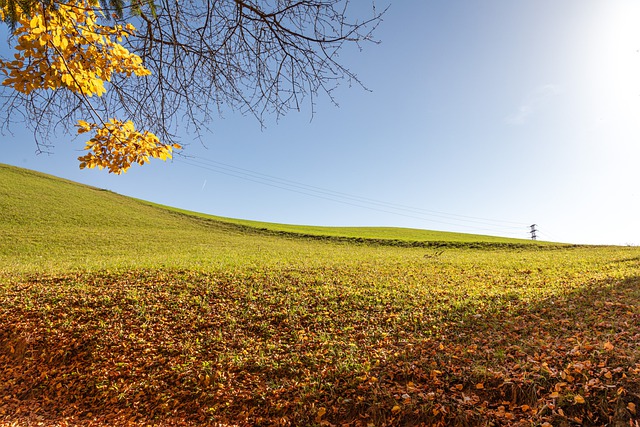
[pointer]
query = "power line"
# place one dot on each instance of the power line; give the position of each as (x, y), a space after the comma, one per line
(331, 195)
(357, 201)
(547, 236)
(446, 215)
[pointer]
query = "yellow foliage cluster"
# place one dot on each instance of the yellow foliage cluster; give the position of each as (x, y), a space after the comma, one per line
(117, 145)
(65, 48)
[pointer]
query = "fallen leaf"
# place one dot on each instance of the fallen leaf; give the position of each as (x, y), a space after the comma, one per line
(578, 399)
(608, 346)
(395, 409)
(631, 407)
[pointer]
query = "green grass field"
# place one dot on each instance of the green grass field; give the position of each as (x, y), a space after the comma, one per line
(115, 311)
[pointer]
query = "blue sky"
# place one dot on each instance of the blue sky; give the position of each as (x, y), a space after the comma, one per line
(483, 117)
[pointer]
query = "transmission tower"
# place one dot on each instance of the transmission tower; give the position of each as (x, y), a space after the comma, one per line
(533, 232)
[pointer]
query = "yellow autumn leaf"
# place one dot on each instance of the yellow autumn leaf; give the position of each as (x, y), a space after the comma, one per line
(396, 409)
(320, 413)
(35, 22)
(578, 399)
(83, 126)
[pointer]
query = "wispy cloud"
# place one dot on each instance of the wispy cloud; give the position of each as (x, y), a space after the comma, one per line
(532, 103)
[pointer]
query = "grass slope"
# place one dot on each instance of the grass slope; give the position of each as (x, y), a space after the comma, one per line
(377, 234)
(117, 312)
(52, 224)
(49, 224)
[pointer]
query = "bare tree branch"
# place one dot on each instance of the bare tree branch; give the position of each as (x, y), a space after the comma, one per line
(259, 57)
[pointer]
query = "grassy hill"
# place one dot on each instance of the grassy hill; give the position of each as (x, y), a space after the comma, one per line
(50, 224)
(55, 224)
(380, 235)
(115, 311)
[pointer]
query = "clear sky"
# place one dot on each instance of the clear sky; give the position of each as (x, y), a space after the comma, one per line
(483, 117)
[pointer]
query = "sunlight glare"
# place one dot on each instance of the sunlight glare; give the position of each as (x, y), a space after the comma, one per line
(613, 62)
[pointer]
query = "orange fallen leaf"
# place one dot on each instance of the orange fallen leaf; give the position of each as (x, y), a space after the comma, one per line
(395, 409)
(608, 346)
(479, 386)
(631, 407)
(578, 399)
